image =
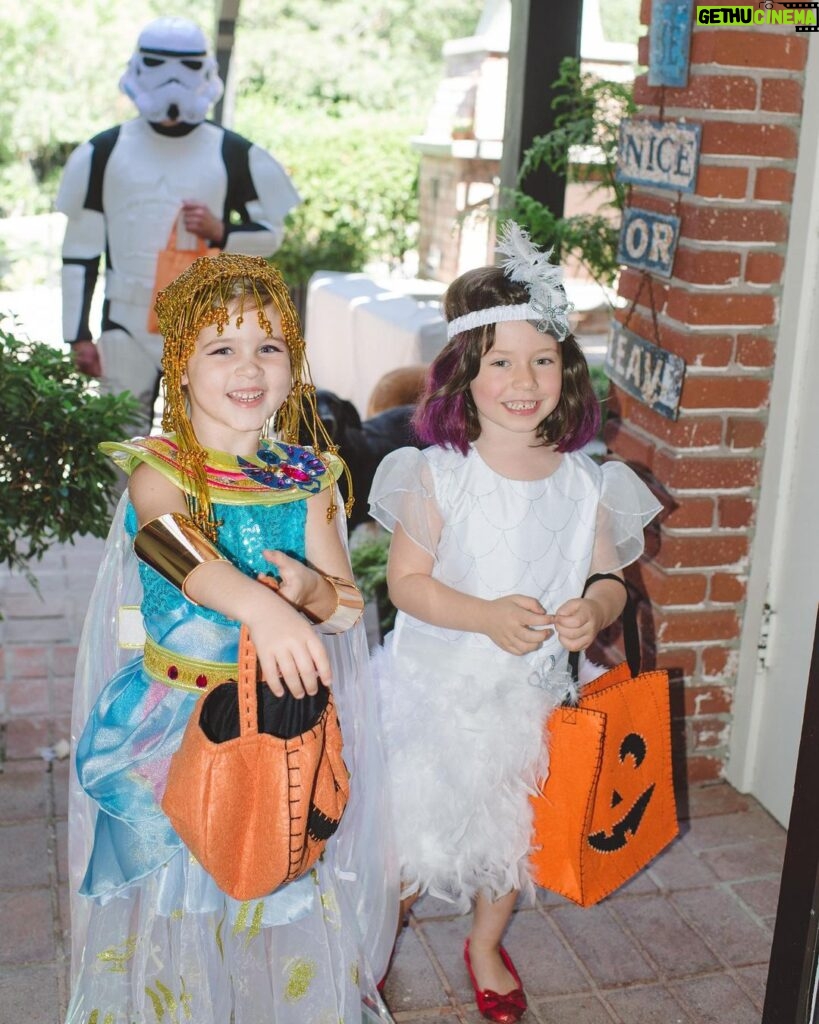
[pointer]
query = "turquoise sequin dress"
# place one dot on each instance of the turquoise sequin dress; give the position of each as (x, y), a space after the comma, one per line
(162, 942)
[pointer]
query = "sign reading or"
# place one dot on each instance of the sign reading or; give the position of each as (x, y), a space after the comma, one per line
(648, 240)
(669, 42)
(647, 372)
(660, 153)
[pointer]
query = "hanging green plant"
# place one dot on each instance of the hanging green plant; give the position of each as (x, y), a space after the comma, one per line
(582, 147)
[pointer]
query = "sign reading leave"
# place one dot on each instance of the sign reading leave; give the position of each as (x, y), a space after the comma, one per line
(647, 372)
(660, 153)
(648, 240)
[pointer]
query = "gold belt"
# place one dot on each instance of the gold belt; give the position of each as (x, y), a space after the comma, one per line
(191, 674)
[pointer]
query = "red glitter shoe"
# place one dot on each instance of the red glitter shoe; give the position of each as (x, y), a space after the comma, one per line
(503, 1009)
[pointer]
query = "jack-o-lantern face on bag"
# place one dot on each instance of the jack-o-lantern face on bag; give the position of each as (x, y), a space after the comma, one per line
(259, 783)
(632, 754)
(607, 806)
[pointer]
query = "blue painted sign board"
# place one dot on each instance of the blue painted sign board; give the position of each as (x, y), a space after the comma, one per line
(669, 42)
(664, 154)
(648, 241)
(650, 374)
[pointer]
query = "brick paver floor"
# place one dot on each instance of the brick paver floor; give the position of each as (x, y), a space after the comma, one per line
(686, 941)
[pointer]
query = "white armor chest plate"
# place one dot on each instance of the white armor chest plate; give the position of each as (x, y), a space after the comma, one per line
(146, 180)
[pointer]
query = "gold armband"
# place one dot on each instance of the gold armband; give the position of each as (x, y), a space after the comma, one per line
(348, 609)
(175, 547)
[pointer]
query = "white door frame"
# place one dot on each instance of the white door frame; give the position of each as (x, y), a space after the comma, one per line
(792, 409)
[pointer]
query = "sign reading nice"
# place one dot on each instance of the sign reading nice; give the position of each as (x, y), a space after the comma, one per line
(664, 154)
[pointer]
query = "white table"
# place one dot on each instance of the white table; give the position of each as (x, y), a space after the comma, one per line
(357, 331)
(328, 330)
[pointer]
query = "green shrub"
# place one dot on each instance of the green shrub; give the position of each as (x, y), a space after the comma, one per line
(54, 484)
(358, 179)
(315, 240)
(369, 562)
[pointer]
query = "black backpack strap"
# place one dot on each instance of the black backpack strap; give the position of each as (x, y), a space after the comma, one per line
(631, 638)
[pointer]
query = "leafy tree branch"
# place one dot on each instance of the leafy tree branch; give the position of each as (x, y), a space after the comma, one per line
(582, 147)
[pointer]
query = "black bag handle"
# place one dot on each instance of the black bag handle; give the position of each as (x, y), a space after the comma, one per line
(631, 638)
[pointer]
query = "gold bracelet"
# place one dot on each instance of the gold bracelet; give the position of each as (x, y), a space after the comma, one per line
(175, 547)
(348, 610)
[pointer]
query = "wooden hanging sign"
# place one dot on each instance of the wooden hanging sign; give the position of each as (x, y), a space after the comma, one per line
(648, 241)
(669, 42)
(664, 154)
(648, 373)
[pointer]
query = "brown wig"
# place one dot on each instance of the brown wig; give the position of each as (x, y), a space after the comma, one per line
(446, 414)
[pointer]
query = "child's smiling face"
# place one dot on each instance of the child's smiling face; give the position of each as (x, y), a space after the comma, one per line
(519, 380)
(236, 381)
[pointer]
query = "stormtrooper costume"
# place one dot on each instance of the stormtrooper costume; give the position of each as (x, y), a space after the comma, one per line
(122, 191)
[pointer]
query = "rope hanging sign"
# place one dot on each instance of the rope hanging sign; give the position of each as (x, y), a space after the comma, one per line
(657, 154)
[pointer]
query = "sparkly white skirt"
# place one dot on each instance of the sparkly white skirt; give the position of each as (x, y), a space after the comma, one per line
(225, 965)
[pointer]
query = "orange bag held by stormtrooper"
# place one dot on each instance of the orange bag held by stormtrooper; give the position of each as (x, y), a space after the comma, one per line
(258, 784)
(607, 807)
(170, 263)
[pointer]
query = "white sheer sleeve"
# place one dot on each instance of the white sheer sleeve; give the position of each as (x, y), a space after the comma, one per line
(403, 493)
(626, 506)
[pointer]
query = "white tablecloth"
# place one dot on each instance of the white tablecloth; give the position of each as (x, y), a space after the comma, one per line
(357, 330)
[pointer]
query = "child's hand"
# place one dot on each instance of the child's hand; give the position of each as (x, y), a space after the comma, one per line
(515, 623)
(297, 582)
(289, 650)
(578, 621)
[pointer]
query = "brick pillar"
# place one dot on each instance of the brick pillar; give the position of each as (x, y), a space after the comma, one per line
(720, 313)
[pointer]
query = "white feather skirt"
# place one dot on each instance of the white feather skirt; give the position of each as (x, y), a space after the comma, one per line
(465, 746)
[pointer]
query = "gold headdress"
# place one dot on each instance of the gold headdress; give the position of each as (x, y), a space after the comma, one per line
(209, 292)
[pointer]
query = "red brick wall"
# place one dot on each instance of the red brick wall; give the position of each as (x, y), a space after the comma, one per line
(720, 312)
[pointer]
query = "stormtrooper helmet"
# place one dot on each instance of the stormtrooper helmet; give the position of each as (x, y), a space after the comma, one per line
(171, 76)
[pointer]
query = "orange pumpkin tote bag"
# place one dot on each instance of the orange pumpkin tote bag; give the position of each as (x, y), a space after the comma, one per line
(607, 807)
(170, 263)
(258, 784)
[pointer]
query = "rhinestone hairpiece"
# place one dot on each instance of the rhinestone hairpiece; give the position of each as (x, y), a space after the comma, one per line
(548, 308)
(497, 315)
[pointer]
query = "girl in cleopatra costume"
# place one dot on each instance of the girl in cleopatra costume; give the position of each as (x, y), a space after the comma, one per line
(213, 507)
(496, 528)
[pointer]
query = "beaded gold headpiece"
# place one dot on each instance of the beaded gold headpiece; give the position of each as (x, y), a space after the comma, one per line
(210, 291)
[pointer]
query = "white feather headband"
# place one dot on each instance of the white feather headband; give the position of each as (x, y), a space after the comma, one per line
(524, 264)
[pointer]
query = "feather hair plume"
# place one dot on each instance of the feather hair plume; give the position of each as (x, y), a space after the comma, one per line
(525, 264)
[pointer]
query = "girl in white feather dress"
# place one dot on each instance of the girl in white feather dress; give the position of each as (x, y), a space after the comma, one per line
(496, 528)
